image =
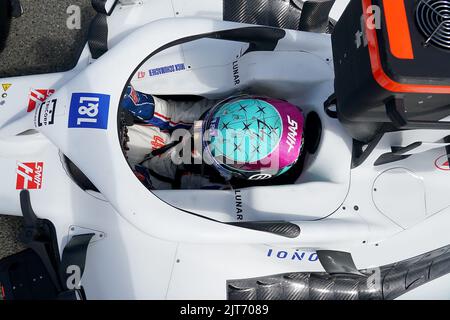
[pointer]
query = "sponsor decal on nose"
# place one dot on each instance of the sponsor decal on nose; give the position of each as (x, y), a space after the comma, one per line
(89, 110)
(29, 175)
(37, 96)
(442, 163)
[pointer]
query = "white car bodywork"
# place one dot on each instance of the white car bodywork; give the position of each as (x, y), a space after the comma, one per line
(149, 248)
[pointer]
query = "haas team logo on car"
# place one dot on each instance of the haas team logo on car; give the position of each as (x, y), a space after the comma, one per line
(442, 163)
(38, 96)
(29, 175)
(89, 110)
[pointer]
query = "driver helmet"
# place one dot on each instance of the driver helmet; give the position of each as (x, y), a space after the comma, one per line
(252, 137)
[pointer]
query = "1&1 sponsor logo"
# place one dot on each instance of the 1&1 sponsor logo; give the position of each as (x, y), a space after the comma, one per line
(89, 110)
(292, 255)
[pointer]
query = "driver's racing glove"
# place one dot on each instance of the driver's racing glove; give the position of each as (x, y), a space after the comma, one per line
(164, 114)
(141, 105)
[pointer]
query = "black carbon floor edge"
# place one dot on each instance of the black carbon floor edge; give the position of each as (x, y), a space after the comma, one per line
(386, 282)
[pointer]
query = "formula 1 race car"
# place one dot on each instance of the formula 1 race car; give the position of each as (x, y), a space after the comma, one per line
(365, 217)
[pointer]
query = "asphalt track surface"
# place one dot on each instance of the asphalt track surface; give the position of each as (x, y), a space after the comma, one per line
(40, 42)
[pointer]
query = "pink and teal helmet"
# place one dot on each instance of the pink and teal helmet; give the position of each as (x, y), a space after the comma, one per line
(253, 138)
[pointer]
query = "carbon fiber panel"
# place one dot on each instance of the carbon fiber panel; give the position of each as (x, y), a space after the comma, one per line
(312, 15)
(315, 16)
(387, 282)
(98, 36)
(285, 229)
(273, 13)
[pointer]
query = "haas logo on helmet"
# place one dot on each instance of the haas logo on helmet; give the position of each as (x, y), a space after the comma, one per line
(292, 134)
